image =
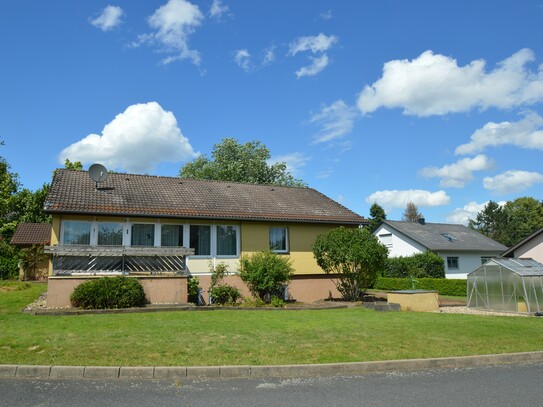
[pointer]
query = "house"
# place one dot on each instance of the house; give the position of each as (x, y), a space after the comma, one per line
(531, 247)
(33, 236)
(165, 228)
(462, 249)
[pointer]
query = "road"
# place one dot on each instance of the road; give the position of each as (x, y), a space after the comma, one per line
(506, 385)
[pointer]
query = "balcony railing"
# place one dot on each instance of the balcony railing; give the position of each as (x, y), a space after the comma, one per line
(84, 259)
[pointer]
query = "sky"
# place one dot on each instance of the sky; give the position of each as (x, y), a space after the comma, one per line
(439, 103)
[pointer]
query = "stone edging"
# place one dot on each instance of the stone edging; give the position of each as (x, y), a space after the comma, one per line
(229, 372)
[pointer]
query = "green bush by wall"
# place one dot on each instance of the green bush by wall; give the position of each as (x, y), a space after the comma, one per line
(109, 292)
(443, 286)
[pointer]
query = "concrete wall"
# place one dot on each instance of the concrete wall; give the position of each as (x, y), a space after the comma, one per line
(158, 289)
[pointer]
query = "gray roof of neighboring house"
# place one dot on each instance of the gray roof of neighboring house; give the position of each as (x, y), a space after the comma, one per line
(74, 192)
(446, 237)
(510, 252)
(31, 233)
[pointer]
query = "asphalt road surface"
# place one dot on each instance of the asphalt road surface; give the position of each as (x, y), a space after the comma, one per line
(505, 385)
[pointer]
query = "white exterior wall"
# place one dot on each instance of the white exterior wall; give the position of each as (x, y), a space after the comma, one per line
(531, 249)
(467, 262)
(401, 245)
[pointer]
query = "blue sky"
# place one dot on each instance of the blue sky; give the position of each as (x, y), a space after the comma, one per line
(434, 102)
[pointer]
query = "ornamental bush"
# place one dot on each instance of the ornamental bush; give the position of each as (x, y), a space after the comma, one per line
(109, 292)
(265, 273)
(225, 295)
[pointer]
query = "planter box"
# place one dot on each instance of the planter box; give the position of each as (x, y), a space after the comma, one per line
(415, 300)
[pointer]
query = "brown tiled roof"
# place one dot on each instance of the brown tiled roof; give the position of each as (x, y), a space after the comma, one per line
(143, 195)
(32, 233)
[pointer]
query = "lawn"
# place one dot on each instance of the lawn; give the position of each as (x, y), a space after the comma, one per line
(250, 337)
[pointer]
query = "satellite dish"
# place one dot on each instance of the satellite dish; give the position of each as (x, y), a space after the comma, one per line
(98, 173)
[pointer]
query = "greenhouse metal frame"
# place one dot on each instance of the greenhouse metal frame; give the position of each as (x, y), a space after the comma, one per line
(507, 284)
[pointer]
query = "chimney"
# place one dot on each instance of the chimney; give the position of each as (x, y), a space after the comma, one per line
(421, 221)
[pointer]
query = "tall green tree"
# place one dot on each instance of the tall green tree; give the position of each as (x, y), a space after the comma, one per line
(352, 257)
(411, 213)
(377, 215)
(232, 161)
(76, 165)
(510, 223)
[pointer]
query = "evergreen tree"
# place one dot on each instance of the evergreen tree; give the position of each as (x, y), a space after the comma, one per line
(377, 215)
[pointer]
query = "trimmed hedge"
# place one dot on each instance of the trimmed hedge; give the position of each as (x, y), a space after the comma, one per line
(420, 265)
(109, 292)
(443, 286)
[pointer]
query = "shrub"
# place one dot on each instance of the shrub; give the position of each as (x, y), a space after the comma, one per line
(193, 287)
(443, 286)
(265, 273)
(225, 295)
(353, 257)
(9, 261)
(277, 302)
(109, 292)
(419, 265)
(252, 302)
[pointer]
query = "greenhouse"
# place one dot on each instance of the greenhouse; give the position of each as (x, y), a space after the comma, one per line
(501, 284)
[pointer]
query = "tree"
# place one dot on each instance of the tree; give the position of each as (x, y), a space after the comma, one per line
(353, 258)
(377, 215)
(265, 273)
(76, 165)
(510, 223)
(232, 161)
(411, 213)
(491, 221)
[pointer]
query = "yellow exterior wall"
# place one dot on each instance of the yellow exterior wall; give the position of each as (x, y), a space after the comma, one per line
(255, 237)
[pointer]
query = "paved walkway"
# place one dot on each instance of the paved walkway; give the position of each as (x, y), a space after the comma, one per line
(227, 372)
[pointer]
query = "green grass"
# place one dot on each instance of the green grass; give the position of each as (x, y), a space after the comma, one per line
(250, 337)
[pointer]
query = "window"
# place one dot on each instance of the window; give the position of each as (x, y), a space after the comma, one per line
(452, 263)
(76, 232)
(143, 234)
(279, 240)
(449, 237)
(386, 239)
(485, 259)
(200, 240)
(110, 234)
(227, 241)
(171, 235)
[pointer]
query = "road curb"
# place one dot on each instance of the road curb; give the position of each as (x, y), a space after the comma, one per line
(244, 371)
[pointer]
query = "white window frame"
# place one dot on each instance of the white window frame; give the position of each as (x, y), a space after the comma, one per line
(386, 239)
(155, 238)
(214, 237)
(184, 227)
(453, 258)
(62, 229)
(287, 242)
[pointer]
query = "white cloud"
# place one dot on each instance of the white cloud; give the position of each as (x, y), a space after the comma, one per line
(326, 15)
(173, 23)
(136, 140)
(315, 44)
(458, 174)
(269, 56)
(218, 10)
(463, 215)
(108, 19)
(335, 121)
(294, 162)
(399, 199)
(316, 66)
(512, 181)
(242, 57)
(526, 133)
(434, 84)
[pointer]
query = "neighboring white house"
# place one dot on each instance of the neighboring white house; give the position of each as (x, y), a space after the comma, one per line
(531, 247)
(462, 249)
